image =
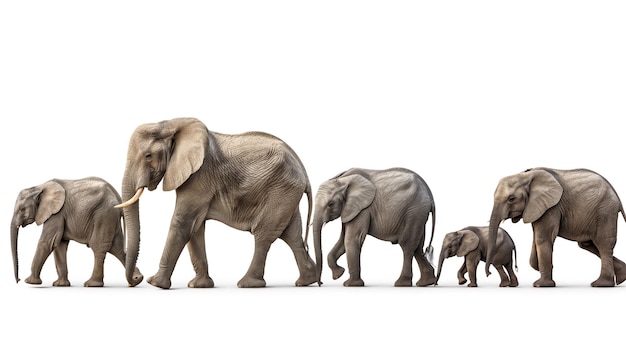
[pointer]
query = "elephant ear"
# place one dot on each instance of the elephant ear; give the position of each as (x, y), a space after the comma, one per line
(360, 194)
(51, 200)
(469, 242)
(544, 193)
(189, 141)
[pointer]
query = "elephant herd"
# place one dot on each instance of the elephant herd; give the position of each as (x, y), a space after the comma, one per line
(254, 182)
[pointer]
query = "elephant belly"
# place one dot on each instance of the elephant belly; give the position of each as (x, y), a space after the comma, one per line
(576, 234)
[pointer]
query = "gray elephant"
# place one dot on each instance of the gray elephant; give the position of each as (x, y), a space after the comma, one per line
(81, 210)
(471, 244)
(391, 205)
(578, 205)
(251, 182)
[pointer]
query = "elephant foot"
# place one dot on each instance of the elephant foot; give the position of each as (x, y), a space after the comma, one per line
(308, 275)
(354, 282)
(426, 281)
(93, 283)
(33, 280)
(603, 283)
(201, 282)
(513, 284)
(306, 280)
(61, 282)
(472, 285)
(462, 281)
(247, 282)
(159, 282)
(137, 278)
(401, 282)
(337, 272)
(544, 283)
(505, 283)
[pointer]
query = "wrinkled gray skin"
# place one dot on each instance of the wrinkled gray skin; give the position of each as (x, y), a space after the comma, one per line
(391, 205)
(578, 205)
(80, 210)
(471, 244)
(252, 182)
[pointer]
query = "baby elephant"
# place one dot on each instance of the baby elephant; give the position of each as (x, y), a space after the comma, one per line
(81, 210)
(471, 243)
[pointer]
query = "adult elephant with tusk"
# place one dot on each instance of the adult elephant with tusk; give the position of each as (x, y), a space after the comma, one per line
(252, 182)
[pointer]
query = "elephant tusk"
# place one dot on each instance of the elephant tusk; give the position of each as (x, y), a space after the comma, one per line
(132, 200)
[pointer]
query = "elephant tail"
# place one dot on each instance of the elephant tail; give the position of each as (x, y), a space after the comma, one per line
(309, 195)
(515, 257)
(428, 252)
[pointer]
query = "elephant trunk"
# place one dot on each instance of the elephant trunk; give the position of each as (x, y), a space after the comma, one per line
(442, 257)
(317, 244)
(494, 224)
(132, 224)
(14, 231)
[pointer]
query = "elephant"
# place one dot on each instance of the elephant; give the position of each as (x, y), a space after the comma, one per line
(251, 182)
(71, 209)
(575, 204)
(391, 204)
(471, 244)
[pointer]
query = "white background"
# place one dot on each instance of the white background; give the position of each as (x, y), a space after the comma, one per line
(462, 92)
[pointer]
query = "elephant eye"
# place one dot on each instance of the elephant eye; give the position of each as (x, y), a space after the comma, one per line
(511, 199)
(331, 204)
(148, 157)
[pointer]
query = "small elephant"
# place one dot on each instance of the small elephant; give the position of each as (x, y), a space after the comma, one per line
(471, 243)
(577, 204)
(391, 205)
(81, 210)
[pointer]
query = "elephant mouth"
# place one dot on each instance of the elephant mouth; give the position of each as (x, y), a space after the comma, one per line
(516, 219)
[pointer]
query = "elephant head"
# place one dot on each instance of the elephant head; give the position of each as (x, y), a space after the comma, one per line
(342, 196)
(527, 195)
(34, 204)
(459, 243)
(171, 151)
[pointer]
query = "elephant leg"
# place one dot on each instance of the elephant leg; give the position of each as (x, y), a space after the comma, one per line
(512, 277)
(534, 260)
(117, 250)
(427, 271)
(354, 239)
(292, 236)
(97, 275)
(254, 276)
(544, 241)
(199, 261)
(178, 236)
(60, 262)
(471, 262)
(608, 269)
(337, 251)
(50, 238)
(461, 273)
(406, 275)
(504, 278)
